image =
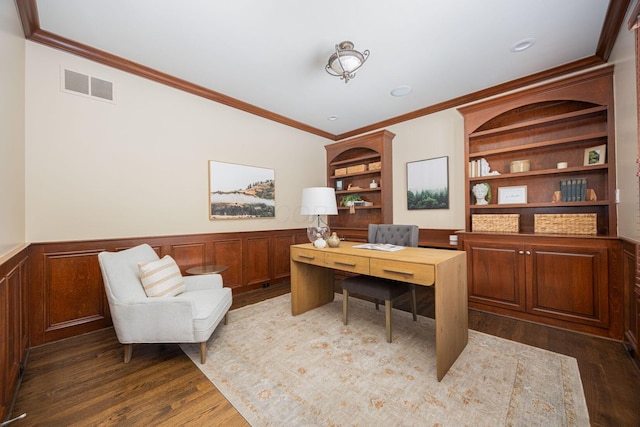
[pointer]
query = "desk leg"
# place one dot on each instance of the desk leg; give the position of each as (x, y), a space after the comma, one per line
(311, 287)
(452, 316)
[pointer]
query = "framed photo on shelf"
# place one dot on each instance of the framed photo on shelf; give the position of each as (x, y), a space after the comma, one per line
(339, 185)
(595, 155)
(512, 195)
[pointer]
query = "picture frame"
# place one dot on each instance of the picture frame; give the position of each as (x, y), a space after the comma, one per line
(339, 185)
(595, 155)
(240, 191)
(512, 195)
(428, 184)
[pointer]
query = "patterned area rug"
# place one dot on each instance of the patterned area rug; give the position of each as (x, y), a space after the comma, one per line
(277, 369)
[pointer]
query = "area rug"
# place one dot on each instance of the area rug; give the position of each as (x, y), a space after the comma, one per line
(311, 370)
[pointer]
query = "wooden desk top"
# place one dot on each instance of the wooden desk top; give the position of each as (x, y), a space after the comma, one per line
(408, 254)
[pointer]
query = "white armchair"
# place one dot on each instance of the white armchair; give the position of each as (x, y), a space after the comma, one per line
(191, 316)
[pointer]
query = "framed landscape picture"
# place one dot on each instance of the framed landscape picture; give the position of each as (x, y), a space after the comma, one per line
(595, 155)
(428, 184)
(241, 192)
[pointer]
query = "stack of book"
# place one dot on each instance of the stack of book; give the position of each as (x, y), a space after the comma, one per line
(573, 189)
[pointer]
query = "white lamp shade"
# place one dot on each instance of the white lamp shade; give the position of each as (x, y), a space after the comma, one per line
(318, 201)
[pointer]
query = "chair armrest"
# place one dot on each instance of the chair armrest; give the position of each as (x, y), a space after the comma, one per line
(154, 320)
(202, 281)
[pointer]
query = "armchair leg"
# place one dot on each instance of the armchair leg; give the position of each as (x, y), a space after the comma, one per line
(128, 351)
(203, 352)
(345, 307)
(226, 318)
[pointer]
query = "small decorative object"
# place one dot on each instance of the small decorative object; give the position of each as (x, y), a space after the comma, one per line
(482, 193)
(352, 187)
(339, 185)
(320, 243)
(519, 166)
(562, 165)
(512, 195)
(480, 168)
(373, 184)
(349, 201)
(595, 155)
(333, 241)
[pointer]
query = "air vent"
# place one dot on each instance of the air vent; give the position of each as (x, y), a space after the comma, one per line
(101, 88)
(76, 82)
(86, 85)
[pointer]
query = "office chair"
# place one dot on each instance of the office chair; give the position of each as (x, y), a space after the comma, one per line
(379, 288)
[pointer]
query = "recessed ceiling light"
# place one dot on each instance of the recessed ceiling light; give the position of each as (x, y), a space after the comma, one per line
(332, 118)
(523, 44)
(401, 91)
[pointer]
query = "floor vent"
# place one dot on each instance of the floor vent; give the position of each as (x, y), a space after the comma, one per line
(83, 84)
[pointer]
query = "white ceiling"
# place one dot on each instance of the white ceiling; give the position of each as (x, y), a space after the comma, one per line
(271, 54)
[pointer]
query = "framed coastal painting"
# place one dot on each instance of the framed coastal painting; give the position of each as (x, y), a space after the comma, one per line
(240, 191)
(428, 184)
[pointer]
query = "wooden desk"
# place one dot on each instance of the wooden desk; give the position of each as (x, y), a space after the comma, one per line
(312, 285)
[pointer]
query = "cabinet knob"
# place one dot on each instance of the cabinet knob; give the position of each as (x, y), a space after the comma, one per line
(521, 252)
(528, 252)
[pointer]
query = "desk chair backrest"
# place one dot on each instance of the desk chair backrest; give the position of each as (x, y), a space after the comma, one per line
(401, 235)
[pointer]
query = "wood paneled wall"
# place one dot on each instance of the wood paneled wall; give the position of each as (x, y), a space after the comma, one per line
(66, 290)
(14, 334)
(631, 277)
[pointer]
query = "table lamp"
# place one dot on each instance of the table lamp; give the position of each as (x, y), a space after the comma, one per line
(318, 201)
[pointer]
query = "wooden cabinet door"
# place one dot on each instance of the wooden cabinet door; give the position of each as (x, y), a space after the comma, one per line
(496, 273)
(568, 283)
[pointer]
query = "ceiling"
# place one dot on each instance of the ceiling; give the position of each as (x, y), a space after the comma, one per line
(268, 57)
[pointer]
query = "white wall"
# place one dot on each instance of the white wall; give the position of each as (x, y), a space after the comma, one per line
(623, 56)
(436, 135)
(12, 205)
(139, 167)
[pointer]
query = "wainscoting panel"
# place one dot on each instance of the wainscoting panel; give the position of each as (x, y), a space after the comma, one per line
(73, 292)
(225, 252)
(256, 260)
(67, 293)
(281, 255)
(189, 255)
(14, 338)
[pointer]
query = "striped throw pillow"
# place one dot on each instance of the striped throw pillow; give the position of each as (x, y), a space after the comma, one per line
(161, 278)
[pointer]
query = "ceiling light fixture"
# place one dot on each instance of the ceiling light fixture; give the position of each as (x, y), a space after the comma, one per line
(345, 61)
(401, 91)
(523, 45)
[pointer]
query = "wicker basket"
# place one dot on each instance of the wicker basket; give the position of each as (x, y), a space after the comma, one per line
(356, 168)
(565, 223)
(340, 171)
(501, 223)
(375, 166)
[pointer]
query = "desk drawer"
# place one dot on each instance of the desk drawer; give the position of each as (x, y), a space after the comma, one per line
(420, 274)
(354, 264)
(308, 256)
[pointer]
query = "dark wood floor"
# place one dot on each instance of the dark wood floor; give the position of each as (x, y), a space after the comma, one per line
(82, 381)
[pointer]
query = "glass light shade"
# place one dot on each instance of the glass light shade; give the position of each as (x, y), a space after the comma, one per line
(316, 202)
(347, 62)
